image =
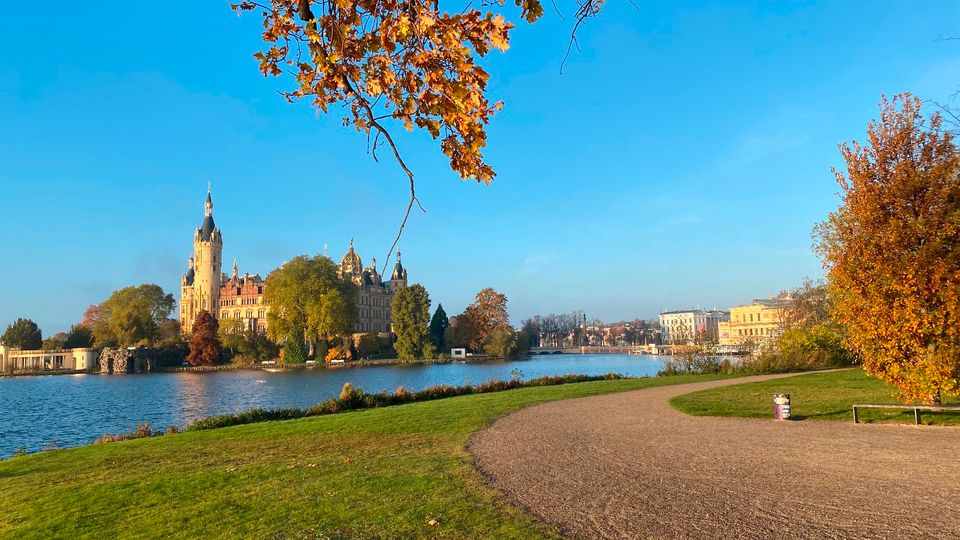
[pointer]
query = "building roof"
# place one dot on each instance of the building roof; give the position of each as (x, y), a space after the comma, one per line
(398, 271)
(207, 227)
(351, 259)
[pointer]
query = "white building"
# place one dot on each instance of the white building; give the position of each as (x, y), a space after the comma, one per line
(692, 324)
(17, 360)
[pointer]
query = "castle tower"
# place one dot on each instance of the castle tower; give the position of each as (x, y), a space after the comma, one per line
(399, 278)
(205, 276)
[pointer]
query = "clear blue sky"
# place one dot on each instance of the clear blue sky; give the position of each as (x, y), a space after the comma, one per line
(680, 160)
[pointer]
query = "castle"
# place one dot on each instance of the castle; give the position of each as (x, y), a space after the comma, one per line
(206, 288)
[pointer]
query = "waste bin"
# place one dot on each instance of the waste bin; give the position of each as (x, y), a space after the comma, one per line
(781, 406)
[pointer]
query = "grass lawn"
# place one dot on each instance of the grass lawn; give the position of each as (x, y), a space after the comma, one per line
(820, 396)
(378, 473)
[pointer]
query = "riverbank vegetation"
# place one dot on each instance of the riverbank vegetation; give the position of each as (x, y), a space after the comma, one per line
(378, 473)
(816, 396)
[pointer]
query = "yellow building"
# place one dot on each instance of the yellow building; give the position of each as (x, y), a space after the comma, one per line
(756, 322)
(15, 360)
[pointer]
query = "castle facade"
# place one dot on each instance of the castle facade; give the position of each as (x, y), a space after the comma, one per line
(206, 288)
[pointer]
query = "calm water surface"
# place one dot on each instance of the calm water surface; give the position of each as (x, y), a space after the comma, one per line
(70, 410)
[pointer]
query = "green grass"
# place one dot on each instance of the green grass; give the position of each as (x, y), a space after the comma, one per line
(817, 396)
(378, 473)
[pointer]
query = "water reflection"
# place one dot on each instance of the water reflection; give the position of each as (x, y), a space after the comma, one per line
(74, 410)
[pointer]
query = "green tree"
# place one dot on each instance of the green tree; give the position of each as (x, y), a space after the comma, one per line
(205, 348)
(892, 251)
(307, 297)
(293, 349)
(23, 334)
(501, 343)
(231, 335)
(411, 316)
(812, 337)
(438, 327)
(370, 344)
(132, 316)
(78, 337)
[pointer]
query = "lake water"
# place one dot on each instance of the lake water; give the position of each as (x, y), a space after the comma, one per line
(71, 410)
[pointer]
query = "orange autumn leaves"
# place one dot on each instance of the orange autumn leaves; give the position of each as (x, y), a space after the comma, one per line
(892, 251)
(386, 59)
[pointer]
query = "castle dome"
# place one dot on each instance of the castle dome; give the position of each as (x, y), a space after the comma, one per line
(351, 261)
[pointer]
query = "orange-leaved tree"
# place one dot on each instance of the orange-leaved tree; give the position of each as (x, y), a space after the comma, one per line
(487, 314)
(205, 347)
(892, 251)
(403, 61)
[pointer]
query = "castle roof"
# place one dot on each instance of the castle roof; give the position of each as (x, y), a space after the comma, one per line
(351, 259)
(398, 271)
(207, 228)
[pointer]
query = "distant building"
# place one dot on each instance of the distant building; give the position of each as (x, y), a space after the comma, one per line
(206, 287)
(14, 360)
(374, 301)
(683, 326)
(756, 322)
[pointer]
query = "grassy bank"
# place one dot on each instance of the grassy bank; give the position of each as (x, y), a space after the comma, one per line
(818, 396)
(378, 473)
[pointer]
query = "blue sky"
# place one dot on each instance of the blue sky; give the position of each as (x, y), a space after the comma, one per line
(681, 159)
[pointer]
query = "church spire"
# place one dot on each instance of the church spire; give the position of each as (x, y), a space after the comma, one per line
(208, 205)
(236, 270)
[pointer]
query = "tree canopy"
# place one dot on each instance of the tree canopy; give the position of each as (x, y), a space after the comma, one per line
(438, 327)
(205, 347)
(489, 314)
(892, 251)
(307, 297)
(79, 336)
(411, 316)
(22, 334)
(131, 316)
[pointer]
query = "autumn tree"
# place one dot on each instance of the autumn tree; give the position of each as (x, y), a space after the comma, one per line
(204, 345)
(22, 334)
(132, 316)
(438, 327)
(390, 62)
(488, 313)
(410, 312)
(307, 298)
(892, 251)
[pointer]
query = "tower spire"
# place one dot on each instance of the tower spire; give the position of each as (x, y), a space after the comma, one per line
(236, 270)
(208, 205)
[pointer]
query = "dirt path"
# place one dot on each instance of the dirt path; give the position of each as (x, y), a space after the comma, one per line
(630, 466)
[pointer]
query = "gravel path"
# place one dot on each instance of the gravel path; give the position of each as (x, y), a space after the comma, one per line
(630, 466)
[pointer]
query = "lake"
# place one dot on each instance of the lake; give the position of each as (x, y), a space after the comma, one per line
(70, 410)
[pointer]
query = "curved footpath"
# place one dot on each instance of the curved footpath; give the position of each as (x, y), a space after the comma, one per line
(630, 466)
